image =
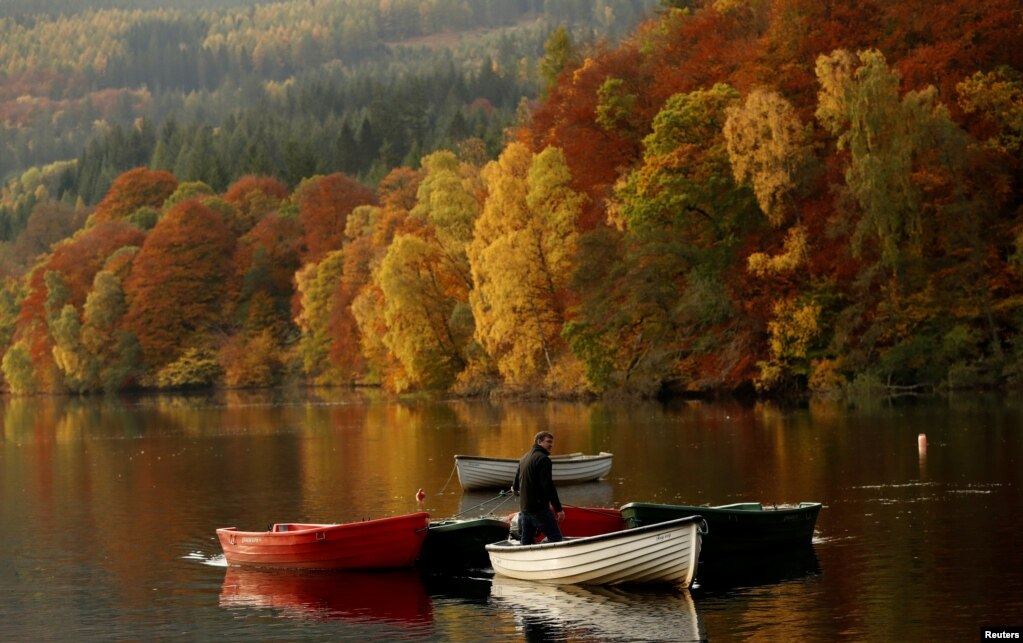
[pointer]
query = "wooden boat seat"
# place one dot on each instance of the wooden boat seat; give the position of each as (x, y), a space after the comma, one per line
(742, 506)
(294, 526)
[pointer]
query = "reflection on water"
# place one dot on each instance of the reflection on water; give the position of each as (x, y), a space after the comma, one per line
(492, 502)
(545, 612)
(906, 547)
(388, 596)
(754, 570)
(463, 585)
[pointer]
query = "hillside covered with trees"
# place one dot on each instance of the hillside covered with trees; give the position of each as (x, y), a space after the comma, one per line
(284, 89)
(777, 196)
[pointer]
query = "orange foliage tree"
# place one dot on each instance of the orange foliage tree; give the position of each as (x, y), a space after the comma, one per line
(595, 150)
(132, 190)
(178, 283)
(334, 311)
(265, 263)
(77, 261)
(324, 204)
(397, 190)
(253, 197)
(801, 30)
(941, 48)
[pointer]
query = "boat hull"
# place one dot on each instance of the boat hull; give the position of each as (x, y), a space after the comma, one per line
(372, 544)
(663, 553)
(461, 543)
(738, 528)
(476, 472)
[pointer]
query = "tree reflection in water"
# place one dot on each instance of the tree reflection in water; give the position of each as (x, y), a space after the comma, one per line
(548, 612)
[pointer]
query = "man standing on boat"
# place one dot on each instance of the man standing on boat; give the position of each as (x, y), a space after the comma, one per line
(539, 506)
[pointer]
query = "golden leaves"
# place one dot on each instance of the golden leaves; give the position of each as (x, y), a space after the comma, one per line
(998, 95)
(794, 254)
(521, 258)
(766, 144)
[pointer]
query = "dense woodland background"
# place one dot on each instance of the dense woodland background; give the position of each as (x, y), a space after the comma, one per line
(769, 196)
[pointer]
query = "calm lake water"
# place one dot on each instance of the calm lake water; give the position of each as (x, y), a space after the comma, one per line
(108, 509)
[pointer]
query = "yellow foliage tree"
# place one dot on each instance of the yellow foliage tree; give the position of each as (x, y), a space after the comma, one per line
(766, 145)
(998, 96)
(520, 257)
(423, 280)
(793, 255)
(792, 332)
(421, 311)
(447, 199)
(316, 283)
(885, 133)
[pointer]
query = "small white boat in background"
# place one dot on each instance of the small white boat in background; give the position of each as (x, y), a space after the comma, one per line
(478, 472)
(665, 552)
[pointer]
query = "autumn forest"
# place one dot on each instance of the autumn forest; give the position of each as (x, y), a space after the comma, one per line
(765, 197)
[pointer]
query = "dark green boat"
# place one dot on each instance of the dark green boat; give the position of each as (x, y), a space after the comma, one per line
(459, 542)
(737, 528)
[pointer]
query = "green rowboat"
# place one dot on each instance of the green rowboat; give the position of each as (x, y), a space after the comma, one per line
(461, 542)
(736, 528)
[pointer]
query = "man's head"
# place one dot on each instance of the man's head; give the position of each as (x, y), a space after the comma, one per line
(544, 439)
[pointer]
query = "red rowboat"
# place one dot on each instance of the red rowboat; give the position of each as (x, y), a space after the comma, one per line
(371, 544)
(581, 521)
(591, 521)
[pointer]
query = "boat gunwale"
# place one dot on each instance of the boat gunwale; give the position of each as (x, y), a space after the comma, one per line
(480, 521)
(728, 509)
(582, 457)
(510, 545)
(314, 527)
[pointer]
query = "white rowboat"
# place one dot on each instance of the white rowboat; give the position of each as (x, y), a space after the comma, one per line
(477, 472)
(665, 552)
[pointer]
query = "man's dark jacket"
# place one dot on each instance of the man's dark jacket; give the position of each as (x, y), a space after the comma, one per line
(534, 482)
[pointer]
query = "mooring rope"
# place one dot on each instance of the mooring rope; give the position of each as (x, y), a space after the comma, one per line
(485, 502)
(450, 475)
(507, 495)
